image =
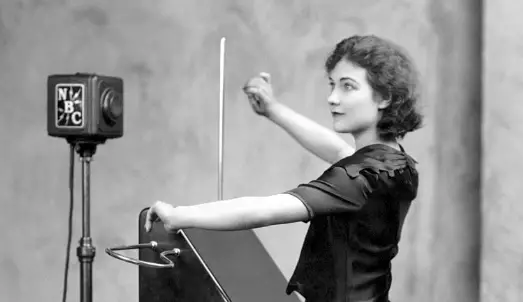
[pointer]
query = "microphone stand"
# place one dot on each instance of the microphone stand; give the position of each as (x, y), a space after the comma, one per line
(85, 250)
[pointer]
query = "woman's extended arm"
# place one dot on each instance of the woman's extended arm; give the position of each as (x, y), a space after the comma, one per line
(229, 215)
(319, 140)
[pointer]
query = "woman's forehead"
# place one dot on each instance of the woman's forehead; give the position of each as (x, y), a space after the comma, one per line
(346, 69)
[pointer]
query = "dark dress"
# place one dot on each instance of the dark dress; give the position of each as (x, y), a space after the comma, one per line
(356, 211)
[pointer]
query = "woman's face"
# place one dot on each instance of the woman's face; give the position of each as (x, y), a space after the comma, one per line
(352, 103)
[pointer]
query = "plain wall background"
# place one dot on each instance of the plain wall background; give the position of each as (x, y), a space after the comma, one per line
(167, 53)
(502, 212)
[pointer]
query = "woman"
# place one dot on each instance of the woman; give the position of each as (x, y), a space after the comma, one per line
(357, 207)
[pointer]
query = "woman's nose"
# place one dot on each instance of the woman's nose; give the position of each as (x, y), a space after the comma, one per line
(333, 99)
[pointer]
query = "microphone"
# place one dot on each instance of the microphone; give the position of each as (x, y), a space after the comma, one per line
(83, 106)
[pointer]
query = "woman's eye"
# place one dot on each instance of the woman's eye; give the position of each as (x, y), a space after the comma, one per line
(348, 86)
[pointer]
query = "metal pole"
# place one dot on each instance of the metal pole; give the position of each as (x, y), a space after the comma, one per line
(86, 250)
(220, 127)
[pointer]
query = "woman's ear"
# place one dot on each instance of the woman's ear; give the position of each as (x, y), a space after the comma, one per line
(384, 103)
(382, 100)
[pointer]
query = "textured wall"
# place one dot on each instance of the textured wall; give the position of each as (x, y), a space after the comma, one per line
(502, 261)
(167, 53)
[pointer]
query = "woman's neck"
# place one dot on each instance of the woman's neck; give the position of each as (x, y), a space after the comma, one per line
(369, 138)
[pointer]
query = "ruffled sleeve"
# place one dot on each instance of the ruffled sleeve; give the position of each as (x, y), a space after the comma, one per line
(350, 183)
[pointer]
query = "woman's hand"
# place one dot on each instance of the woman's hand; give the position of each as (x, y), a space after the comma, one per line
(260, 94)
(161, 211)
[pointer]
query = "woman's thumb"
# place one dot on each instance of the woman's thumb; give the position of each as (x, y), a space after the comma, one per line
(266, 76)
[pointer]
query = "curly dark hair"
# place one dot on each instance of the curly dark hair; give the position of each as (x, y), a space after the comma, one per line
(391, 74)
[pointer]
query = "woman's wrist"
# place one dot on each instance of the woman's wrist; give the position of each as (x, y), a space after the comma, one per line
(275, 111)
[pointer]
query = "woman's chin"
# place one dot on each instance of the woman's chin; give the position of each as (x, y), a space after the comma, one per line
(340, 128)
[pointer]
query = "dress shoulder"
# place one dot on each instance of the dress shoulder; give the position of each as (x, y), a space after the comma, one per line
(376, 159)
